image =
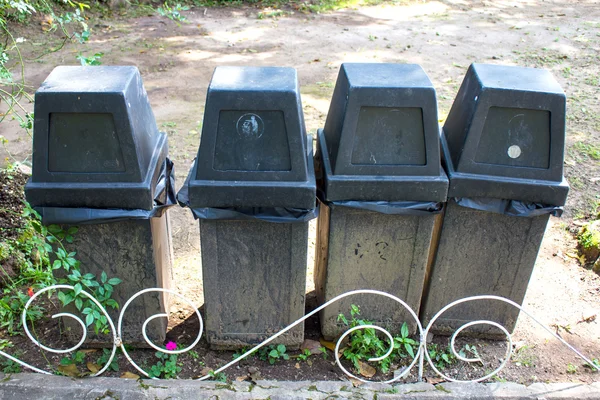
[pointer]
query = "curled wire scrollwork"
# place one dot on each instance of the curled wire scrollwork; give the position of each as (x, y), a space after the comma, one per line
(507, 334)
(419, 358)
(66, 315)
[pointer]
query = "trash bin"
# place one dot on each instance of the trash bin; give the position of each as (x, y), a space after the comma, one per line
(252, 186)
(382, 187)
(503, 144)
(100, 163)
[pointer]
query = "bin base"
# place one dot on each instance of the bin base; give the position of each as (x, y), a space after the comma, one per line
(481, 253)
(254, 275)
(358, 249)
(139, 253)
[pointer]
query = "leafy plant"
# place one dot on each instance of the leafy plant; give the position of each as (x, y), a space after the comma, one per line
(304, 355)
(571, 369)
(103, 359)
(273, 353)
(595, 366)
(404, 342)
(167, 366)
(323, 350)
(91, 60)
(441, 359)
(76, 358)
(10, 367)
(173, 13)
(42, 253)
(239, 353)
(220, 377)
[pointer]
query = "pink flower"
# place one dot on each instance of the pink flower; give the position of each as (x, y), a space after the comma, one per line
(171, 346)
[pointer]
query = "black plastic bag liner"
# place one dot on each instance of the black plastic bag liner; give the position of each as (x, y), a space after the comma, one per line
(393, 207)
(163, 199)
(268, 214)
(514, 208)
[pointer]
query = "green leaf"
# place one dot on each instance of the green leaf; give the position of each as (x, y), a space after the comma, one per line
(404, 330)
(112, 303)
(78, 303)
(61, 297)
(281, 348)
(72, 230)
(69, 239)
(66, 361)
(273, 354)
(54, 229)
(89, 319)
(68, 299)
(114, 281)
(56, 264)
(103, 277)
(409, 350)
(77, 289)
(86, 311)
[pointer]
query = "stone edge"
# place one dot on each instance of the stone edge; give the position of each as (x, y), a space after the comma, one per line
(29, 385)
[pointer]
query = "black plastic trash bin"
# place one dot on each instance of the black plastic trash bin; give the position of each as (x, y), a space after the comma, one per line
(100, 162)
(382, 190)
(252, 186)
(503, 145)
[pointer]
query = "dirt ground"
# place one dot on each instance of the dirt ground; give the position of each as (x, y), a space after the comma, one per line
(444, 37)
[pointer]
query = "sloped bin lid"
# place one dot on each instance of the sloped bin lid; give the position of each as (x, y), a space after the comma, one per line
(253, 151)
(96, 143)
(505, 136)
(381, 137)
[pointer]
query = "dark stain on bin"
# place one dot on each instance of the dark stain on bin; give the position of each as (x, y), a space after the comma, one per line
(380, 146)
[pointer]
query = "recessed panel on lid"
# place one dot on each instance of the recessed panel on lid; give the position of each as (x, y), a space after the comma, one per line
(389, 136)
(84, 143)
(516, 137)
(252, 141)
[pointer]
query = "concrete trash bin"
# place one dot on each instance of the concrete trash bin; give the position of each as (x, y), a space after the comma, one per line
(503, 145)
(382, 187)
(99, 162)
(252, 186)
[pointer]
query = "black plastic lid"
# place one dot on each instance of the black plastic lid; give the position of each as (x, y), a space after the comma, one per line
(253, 151)
(96, 143)
(381, 137)
(505, 135)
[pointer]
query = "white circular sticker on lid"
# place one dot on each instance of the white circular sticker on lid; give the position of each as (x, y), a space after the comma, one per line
(514, 151)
